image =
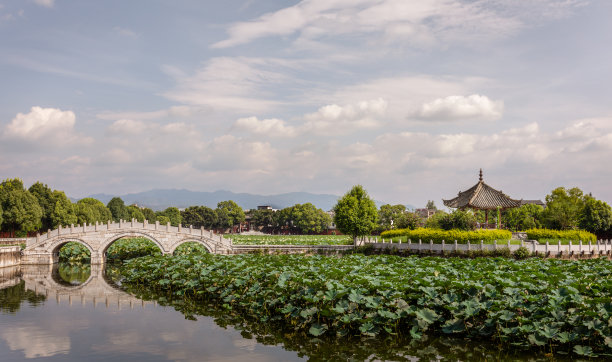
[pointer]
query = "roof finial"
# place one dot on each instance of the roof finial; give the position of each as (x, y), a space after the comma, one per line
(480, 178)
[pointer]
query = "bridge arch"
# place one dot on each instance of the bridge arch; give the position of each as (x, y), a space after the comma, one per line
(128, 234)
(56, 245)
(202, 242)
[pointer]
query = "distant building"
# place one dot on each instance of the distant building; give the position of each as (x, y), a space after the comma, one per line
(425, 213)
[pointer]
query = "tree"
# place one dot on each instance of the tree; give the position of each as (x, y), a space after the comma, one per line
(263, 218)
(199, 216)
(431, 205)
(563, 208)
(134, 212)
(458, 219)
(389, 216)
(307, 219)
(356, 213)
(64, 210)
(526, 217)
(149, 214)
(408, 220)
(596, 216)
(44, 196)
(118, 209)
(172, 214)
(90, 210)
(229, 214)
(20, 209)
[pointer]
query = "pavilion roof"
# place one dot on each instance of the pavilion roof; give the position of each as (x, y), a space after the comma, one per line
(483, 197)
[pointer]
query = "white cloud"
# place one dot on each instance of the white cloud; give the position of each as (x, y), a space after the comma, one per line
(451, 108)
(45, 3)
(129, 33)
(413, 21)
(335, 118)
(126, 126)
(49, 125)
(272, 127)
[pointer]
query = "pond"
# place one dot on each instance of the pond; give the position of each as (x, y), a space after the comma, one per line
(79, 312)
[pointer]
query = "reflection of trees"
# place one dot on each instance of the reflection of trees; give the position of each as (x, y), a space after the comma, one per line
(11, 298)
(71, 274)
(396, 348)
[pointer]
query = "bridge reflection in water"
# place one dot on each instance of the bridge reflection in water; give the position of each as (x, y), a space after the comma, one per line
(97, 289)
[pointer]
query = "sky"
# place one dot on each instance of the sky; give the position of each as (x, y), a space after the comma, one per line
(407, 98)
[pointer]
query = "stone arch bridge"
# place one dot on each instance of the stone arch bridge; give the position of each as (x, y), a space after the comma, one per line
(44, 249)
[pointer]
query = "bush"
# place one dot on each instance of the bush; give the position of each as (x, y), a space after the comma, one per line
(521, 253)
(74, 252)
(449, 236)
(573, 235)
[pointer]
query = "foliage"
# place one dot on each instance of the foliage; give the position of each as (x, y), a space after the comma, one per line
(596, 216)
(449, 236)
(149, 214)
(118, 209)
(229, 214)
(64, 212)
(190, 248)
(20, 209)
(558, 305)
(458, 219)
(563, 208)
(90, 210)
(304, 219)
(264, 218)
(170, 214)
(431, 205)
(129, 248)
(199, 216)
(291, 240)
(134, 212)
(433, 222)
(355, 214)
(74, 252)
(44, 196)
(389, 215)
(527, 216)
(563, 235)
(521, 253)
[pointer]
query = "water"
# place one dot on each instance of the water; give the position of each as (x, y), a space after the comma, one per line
(76, 313)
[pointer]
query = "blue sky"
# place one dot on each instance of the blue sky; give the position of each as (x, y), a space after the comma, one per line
(407, 98)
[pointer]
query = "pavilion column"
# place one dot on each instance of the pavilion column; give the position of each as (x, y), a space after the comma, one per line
(487, 217)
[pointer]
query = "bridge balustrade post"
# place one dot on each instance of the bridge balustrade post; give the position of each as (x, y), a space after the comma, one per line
(190, 229)
(179, 227)
(84, 227)
(168, 226)
(202, 231)
(71, 228)
(96, 228)
(48, 233)
(145, 222)
(132, 223)
(211, 233)
(37, 237)
(156, 224)
(59, 229)
(107, 224)
(120, 223)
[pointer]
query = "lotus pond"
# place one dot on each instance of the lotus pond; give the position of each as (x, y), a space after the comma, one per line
(291, 239)
(546, 307)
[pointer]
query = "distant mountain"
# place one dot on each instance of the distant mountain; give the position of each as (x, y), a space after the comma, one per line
(162, 198)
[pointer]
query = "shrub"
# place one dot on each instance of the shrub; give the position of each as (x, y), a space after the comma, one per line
(573, 235)
(449, 236)
(521, 253)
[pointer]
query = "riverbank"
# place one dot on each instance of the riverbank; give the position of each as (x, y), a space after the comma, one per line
(10, 256)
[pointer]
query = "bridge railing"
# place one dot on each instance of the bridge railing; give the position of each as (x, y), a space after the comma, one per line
(127, 225)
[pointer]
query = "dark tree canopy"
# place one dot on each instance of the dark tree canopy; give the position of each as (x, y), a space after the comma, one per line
(356, 213)
(199, 216)
(390, 215)
(229, 214)
(90, 210)
(563, 208)
(20, 209)
(118, 209)
(596, 216)
(170, 214)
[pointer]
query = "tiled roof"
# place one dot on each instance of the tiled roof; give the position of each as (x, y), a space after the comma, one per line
(482, 196)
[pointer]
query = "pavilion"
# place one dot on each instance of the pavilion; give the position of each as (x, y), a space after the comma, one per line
(482, 197)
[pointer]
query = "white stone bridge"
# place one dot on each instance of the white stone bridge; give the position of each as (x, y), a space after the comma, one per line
(44, 249)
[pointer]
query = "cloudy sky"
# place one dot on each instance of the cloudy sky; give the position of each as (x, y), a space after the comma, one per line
(408, 98)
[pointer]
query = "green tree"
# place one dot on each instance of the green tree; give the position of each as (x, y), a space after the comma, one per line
(149, 214)
(307, 219)
(263, 218)
(20, 209)
(408, 220)
(44, 196)
(199, 216)
(526, 217)
(64, 210)
(390, 215)
(563, 208)
(458, 219)
(90, 210)
(118, 209)
(172, 213)
(435, 220)
(229, 214)
(134, 212)
(431, 205)
(356, 213)
(596, 216)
